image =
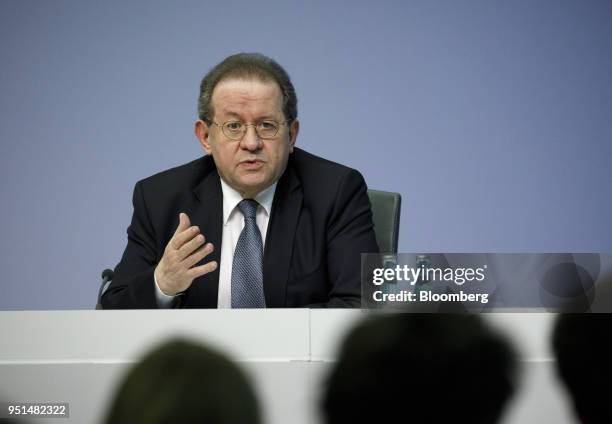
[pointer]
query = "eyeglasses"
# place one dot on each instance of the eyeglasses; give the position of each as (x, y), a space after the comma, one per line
(235, 130)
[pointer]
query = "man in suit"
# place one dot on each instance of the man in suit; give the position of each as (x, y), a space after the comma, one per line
(256, 222)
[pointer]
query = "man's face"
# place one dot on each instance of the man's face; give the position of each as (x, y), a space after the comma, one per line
(251, 164)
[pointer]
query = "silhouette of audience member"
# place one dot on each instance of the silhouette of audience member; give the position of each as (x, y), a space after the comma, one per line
(13, 420)
(423, 368)
(183, 382)
(5, 414)
(584, 354)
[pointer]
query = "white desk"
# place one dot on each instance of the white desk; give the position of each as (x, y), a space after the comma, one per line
(78, 356)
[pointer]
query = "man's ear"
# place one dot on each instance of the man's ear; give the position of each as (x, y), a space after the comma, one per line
(294, 129)
(202, 132)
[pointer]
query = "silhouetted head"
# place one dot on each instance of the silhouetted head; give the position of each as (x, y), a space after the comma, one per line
(183, 382)
(584, 363)
(423, 368)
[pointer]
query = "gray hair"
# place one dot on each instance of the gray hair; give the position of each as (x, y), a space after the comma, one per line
(247, 65)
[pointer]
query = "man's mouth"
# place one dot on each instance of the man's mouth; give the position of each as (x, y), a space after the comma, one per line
(252, 164)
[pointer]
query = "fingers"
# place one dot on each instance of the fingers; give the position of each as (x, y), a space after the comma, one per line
(198, 271)
(189, 247)
(178, 240)
(198, 255)
(176, 269)
(184, 223)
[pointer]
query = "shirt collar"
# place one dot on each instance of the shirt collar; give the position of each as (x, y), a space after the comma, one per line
(231, 198)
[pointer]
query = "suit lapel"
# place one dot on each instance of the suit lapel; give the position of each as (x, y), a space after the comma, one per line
(208, 215)
(279, 239)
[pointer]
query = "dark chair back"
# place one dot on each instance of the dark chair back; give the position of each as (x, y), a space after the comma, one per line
(386, 215)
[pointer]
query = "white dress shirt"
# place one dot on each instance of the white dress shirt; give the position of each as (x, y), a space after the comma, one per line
(233, 223)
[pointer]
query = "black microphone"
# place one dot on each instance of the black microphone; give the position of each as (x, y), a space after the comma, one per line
(107, 275)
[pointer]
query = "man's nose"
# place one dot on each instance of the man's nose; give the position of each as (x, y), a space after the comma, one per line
(251, 140)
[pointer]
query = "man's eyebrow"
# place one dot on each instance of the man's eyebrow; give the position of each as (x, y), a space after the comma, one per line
(232, 114)
(268, 118)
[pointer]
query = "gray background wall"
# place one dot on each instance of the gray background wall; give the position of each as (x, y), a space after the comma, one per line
(493, 119)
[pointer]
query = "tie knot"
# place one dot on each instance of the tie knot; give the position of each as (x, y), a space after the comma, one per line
(248, 207)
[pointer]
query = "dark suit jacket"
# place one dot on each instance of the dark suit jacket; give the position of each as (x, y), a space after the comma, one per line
(319, 225)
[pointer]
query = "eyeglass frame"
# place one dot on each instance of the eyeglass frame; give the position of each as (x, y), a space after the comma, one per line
(251, 125)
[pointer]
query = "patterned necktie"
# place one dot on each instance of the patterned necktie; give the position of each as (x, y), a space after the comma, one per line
(247, 269)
